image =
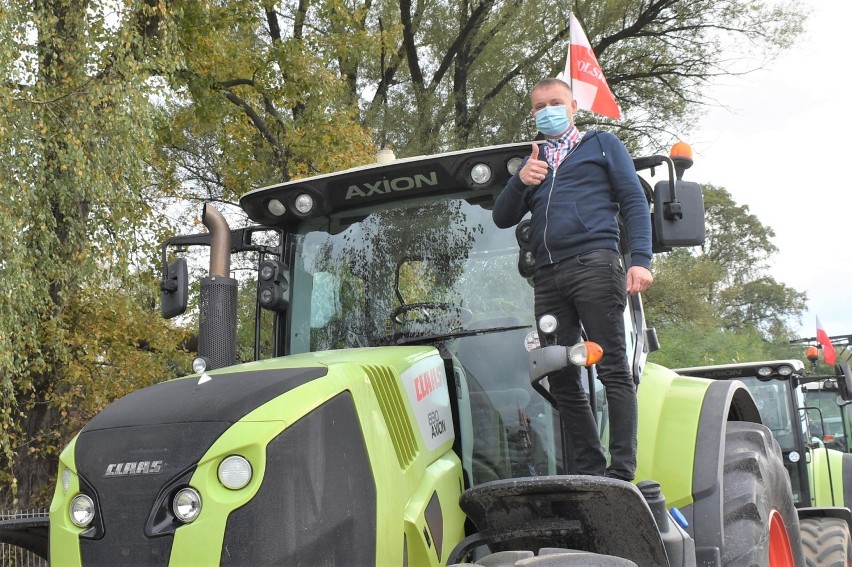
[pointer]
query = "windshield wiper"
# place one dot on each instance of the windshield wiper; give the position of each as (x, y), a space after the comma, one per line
(425, 339)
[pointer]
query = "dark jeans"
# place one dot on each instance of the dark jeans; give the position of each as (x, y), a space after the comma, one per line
(591, 289)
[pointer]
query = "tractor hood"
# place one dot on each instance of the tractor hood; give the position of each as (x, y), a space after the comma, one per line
(149, 442)
(216, 398)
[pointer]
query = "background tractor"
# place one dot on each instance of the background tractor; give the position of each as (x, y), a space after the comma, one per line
(806, 416)
(394, 413)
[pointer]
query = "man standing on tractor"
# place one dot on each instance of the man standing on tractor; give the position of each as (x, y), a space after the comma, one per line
(575, 192)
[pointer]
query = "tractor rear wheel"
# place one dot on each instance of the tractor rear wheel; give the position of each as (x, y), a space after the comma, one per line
(761, 526)
(826, 542)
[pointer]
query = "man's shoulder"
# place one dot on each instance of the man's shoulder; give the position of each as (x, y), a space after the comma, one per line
(602, 136)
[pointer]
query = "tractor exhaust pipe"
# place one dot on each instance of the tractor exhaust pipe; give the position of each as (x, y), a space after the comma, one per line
(217, 326)
(220, 240)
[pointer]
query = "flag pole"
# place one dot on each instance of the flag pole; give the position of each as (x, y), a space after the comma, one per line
(570, 77)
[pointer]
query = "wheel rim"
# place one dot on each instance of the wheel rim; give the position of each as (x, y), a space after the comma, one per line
(780, 554)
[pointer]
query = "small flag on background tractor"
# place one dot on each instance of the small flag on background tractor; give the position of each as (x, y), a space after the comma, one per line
(583, 73)
(828, 353)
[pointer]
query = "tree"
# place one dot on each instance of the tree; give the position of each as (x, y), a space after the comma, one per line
(271, 91)
(717, 302)
(79, 323)
(458, 74)
(252, 105)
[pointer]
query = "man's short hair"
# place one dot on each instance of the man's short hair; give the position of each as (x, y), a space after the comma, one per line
(552, 83)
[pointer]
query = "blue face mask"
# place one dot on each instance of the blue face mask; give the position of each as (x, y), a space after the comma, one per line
(552, 120)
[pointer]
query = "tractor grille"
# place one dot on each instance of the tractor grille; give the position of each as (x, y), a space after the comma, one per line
(317, 503)
(173, 424)
(386, 386)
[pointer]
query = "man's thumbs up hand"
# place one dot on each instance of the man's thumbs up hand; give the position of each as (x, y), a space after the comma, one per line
(534, 170)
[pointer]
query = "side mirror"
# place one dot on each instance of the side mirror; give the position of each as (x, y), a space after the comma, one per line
(844, 380)
(174, 289)
(678, 217)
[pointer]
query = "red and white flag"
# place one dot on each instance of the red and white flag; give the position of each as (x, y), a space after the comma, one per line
(828, 353)
(584, 75)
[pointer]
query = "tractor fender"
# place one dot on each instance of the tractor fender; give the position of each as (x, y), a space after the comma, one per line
(723, 401)
(682, 433)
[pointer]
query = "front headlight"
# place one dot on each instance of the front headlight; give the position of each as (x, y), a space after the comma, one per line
(187, 505)
(234, 472)
(82, 511)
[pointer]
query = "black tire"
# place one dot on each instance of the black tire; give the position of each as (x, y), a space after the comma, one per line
(755, 485)
(826, 542)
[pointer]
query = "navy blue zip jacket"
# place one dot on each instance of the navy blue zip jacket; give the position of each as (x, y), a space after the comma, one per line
(574, 209)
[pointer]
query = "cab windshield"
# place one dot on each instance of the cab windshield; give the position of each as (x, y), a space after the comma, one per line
(399, 273)
(435, 273)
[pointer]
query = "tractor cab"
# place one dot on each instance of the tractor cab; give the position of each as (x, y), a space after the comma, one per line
(432, 272)
(405, 253)
(830, 425)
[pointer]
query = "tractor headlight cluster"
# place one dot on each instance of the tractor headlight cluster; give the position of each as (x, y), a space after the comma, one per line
(186, 505)
(480, 173)
(276, 207)
(199, 365)
(764, 371)
(234, 472)
(82, 510)
(785, 370)
(547, 324)
(273, 285)
(304, 203)
(586, 354)
(526, 258)
(513, 165)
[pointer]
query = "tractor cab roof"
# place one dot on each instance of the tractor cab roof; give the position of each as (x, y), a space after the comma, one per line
(763, 370)
(476, 175)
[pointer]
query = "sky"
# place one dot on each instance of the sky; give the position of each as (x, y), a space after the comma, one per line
(781, 146)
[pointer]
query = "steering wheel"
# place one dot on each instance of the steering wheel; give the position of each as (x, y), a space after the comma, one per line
(398, 314)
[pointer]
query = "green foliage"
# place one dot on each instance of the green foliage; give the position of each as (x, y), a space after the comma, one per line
(79, 324)
(693, 345)
(457, 74)
(250, 106)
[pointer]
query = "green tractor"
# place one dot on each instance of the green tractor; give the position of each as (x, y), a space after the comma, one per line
(806, 416)
(397, 411)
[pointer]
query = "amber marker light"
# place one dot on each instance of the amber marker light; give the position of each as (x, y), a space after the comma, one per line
(812, 353)
(681, 150)
(586, 353)
(681, 154)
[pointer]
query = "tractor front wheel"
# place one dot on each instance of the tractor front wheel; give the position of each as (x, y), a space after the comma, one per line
(826, 542)
(761, 526)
